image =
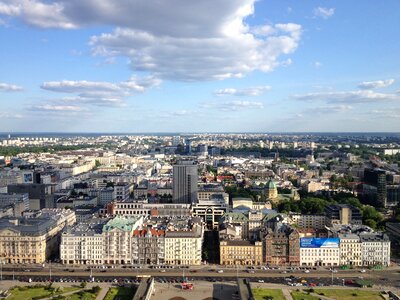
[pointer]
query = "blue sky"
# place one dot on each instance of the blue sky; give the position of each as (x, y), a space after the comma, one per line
(209, 65)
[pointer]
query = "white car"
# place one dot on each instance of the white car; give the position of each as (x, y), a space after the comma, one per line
(261, 281)
(306, 271)
(220, 271)
(363, 271)
(162, 271)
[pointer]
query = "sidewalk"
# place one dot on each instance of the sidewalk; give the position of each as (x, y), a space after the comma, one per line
(103, 293)
(287, 294)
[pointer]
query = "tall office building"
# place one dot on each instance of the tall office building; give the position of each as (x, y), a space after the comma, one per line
(377, 178)
(185, 182)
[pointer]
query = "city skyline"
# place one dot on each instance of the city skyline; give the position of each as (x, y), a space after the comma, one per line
(210, 66)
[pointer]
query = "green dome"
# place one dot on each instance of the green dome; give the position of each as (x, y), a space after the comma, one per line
(271, 185)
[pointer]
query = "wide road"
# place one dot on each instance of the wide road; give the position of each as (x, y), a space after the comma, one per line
(391, 276)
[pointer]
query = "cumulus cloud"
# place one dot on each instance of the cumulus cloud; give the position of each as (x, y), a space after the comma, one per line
(369, 85)
(233, 105)
(324, 12)
(251, 91)
(363, 96)
(317, 64)
(6, 87)
(176, 39)
(100, 93)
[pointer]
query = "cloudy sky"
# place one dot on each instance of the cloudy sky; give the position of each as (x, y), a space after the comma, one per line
(204, 65)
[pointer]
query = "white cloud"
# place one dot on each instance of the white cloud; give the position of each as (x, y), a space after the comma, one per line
(55, 108)
(251, 91)
(233, 105)
(6, 87)
(8, 115)
(176, 39)
(100, 93)
(364, 96)
(329, 109)
(317, 64)
(324, 12)
(384, 114)
(369, 85)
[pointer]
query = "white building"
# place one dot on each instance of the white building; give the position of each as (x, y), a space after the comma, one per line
(319, 252)
(375, 249)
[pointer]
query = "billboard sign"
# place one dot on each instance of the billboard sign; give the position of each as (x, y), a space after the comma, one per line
(319, 242)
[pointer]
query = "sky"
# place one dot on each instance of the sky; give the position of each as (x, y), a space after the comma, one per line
(199, 66)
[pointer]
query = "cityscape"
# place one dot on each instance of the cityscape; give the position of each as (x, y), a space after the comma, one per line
(148, 211)
(202, 150)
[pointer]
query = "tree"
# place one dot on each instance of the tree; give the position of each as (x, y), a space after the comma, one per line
(371, 223)
(83, 284)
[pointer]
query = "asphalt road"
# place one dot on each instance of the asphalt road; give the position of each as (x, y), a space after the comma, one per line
(389, 277)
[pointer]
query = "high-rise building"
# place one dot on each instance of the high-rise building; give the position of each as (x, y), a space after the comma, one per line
(185, 182)
(377, 178)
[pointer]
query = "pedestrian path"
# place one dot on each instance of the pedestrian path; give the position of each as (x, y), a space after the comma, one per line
(287, 294)
(103, 293)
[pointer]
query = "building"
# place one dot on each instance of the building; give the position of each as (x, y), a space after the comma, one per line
(375, 249)
(83, 244)
(122, 191)
(342, 214)
(184, 241)
(271, 191)
(118, 233)
(350, 250)
(185, 179)
(40, 195)
(143, 208)
(18, 202)
(211, 210)
(281, 246)
(34, 239)
(210, 191)
(377, 178)
(320, 252)
(307, 221)
(241, 252)
(148, 246)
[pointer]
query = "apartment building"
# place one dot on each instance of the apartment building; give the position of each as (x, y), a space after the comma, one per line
(307, 221)
(241, 252)
(350, 249)
(32, 239)
(375, 249)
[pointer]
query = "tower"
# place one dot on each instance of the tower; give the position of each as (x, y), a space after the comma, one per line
(185, 182)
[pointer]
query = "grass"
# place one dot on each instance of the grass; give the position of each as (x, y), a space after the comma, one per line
(298, 295)
(263, 294)
(120, 293)
(28, 293)
(345, 294)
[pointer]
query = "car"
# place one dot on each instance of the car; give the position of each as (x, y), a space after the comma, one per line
(250, 271)
(162, 271)
(306, 271)
(222, 271)
(334, 271)
(363, 271)
(283, 272)
(261, 281)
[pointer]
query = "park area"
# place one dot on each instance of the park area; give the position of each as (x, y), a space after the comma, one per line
(120, 293)
(38, 292)
(268, 294)
(350, 294)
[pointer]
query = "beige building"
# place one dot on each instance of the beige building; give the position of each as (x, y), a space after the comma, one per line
(33, 239)
(350, 250)
(234, 252)
(183, 246)
(307, 221)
